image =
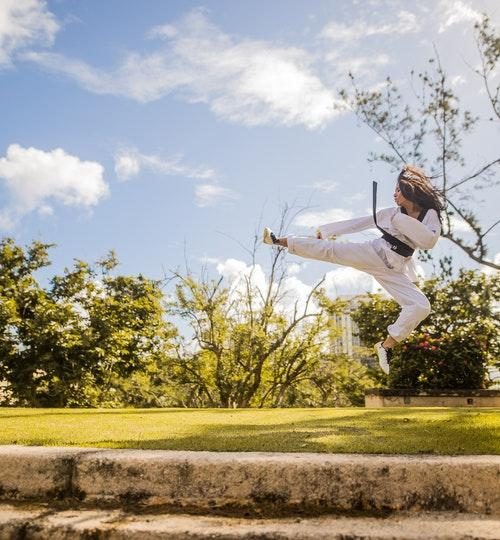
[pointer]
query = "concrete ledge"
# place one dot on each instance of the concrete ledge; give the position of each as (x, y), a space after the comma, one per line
(337, 482)
(409, 397)
(41, 523)
(28, 472)
(275, 482)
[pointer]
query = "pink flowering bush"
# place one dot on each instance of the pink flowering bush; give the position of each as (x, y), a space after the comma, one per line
(444, 361)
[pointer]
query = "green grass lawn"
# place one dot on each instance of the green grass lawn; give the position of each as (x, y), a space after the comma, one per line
(374, 431)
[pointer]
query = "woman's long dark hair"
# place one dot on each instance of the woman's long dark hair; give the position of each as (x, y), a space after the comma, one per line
(416, 187)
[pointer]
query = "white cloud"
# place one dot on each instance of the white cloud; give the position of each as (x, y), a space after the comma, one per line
(34, 178)
(165, 31)
(205, 259)
(142, 78)
(342, 281)
(348, 34)
(129, 162)
(236, 271)
(126, 165)
(24, 23)
(458, 80)
(348, 281)
(325, 186)
(211, 194)
(492, 271)
(295, 297)
(357, 65)
(458, 225)
(243, 81)
(456, 12)
(314, 219)
(293, 269)
(240, 275)
(45, 210)
(346, 46)
(357, 197)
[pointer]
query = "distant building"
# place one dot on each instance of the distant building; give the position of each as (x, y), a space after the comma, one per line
(345, 333)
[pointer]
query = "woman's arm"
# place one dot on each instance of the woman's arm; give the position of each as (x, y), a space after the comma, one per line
(424, 236)
(346, 226)
(353, 225)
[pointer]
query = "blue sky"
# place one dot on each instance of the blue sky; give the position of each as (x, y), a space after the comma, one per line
(172, 130)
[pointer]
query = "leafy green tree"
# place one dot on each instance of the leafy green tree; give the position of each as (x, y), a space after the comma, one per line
(246, 350)
(76, 342)
(20, 298)
(241, 341)
(430, 128)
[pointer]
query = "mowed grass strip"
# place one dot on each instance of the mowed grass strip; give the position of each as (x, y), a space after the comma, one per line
(349, 430)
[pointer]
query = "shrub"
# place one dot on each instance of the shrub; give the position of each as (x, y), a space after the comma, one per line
(446, 361)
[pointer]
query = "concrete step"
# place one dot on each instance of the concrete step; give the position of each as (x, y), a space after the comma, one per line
(278, 483)
(41, 523)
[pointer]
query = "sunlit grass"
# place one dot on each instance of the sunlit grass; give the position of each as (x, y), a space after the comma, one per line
(392, 431)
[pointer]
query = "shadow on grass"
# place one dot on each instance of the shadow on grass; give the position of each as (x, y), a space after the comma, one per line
(377, 431)
(460, 435)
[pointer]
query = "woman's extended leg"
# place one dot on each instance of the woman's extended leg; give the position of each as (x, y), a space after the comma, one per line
(414, 305)
(361, 256)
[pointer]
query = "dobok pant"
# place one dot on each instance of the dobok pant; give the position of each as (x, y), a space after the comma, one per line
(414, 304)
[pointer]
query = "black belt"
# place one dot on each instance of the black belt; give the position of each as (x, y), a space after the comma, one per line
(396, 244)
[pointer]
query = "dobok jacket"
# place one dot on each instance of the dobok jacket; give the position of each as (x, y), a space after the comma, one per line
(418, 235)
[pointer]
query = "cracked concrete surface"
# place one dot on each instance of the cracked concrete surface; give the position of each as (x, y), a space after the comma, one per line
(334, 482)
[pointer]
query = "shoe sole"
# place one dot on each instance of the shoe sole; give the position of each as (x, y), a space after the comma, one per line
(382, 362)
(266, 237)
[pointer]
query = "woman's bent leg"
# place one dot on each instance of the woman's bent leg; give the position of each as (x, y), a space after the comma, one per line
(414, 304)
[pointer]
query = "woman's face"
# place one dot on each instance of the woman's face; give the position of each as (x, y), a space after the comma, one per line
(399, 199)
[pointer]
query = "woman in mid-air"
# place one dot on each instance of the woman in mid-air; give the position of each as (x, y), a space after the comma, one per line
(414, 224)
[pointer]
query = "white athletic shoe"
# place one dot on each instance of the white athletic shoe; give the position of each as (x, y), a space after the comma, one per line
(384, 357)
(268, 237)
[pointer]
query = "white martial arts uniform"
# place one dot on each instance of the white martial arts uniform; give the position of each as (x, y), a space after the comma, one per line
(395, 273)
